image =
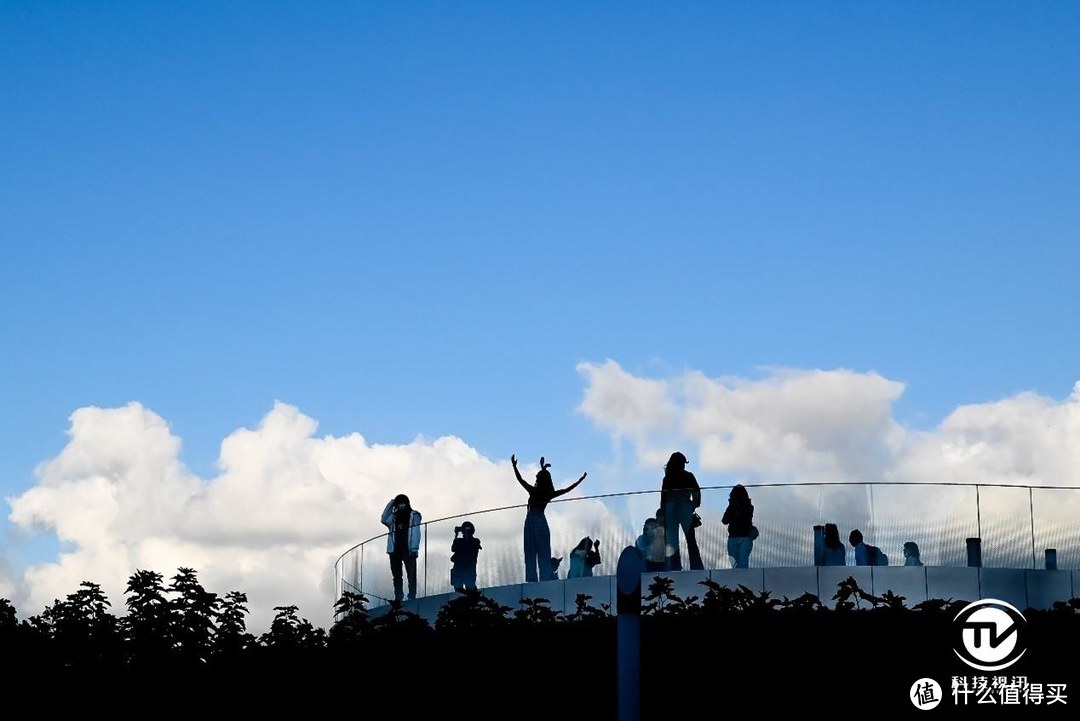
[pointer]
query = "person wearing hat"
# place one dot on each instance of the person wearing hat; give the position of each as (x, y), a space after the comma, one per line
(680, 496)
(402, 542)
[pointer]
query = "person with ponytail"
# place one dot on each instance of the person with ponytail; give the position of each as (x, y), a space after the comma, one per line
(537, 535)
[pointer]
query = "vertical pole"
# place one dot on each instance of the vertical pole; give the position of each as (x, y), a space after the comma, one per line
(819, 545)
(974, 552)
(1031, 506)
(1051, 559)
(628, 651)
(978, 514)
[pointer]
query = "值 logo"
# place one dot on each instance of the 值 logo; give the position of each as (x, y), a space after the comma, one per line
(990, 634)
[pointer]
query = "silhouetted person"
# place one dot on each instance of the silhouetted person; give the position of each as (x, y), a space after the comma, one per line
(403, 542)
(680, 496)
(739, 518)
(555, 561)
(835, 551)
(464, 551)
(592, 558)
(865, 554)
(911, 554)
(672, 557)
(584, 557)
(537, 535)
(652, 546)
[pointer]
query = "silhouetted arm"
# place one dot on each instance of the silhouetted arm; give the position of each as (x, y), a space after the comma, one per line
(517, 473)
(862, 557)
(571, 487)
(414, 534)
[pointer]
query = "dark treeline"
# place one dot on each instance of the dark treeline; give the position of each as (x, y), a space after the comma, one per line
(698, 654)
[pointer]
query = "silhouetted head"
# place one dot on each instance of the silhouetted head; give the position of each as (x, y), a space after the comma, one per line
(468, 528)
(911, 549)
(584, 544)
(401, 500)
(739, 494)
(543, 476)
(832, 536)
(677, 462)
(855, 538)
(650, 525)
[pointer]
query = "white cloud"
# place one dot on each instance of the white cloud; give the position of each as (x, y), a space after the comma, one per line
(286, 502)
(809, 425)
(285, 505)
(1025, 439)
(837, 426)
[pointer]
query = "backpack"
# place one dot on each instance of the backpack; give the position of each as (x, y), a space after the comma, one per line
(875, 556)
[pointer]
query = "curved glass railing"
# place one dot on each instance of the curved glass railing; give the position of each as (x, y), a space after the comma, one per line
(1015, 525)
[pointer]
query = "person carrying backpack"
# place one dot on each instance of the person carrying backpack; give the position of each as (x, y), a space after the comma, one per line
(865, 554)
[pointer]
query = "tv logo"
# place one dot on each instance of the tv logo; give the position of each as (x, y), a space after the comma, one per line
(990, 634)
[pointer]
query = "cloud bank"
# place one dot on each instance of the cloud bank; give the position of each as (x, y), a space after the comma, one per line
(830, 426)
(287, 503)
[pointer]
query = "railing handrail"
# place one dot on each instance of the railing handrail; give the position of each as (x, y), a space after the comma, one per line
(768, 484)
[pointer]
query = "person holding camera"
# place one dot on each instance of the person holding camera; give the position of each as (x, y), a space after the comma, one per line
(651, 545)
(537, 534)
(463, 554)
(402, 543)
(584, 557)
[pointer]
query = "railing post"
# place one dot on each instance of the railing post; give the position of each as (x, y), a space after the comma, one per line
(819, 545)
(628, 604)
(974, 552)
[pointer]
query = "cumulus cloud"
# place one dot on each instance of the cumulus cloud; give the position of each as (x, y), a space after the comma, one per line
(285, 503)
(271, 524)
(838, 427)
(1025, 439)
(829, 426)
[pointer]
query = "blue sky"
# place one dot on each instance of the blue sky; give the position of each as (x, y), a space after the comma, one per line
(417, 220)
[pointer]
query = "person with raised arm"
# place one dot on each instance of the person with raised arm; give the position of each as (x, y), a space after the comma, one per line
(402, 543)
(537, 535)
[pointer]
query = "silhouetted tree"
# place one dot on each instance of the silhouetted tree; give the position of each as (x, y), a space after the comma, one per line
(289, 632)
(351, 620)
(536, 611)
(584, 611)
(195, 613)
(148, 625)
(471, 610)
(85, 634)
(662, 600)
(232, 639)
(8, 619)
